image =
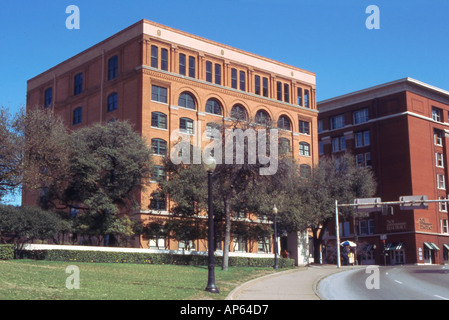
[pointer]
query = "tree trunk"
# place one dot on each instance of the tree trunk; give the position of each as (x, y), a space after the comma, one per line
(227, 235)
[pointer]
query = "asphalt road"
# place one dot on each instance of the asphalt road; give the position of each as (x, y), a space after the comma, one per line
(387, 283)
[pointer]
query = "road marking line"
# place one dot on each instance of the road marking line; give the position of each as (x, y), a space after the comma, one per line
(398, 281)
(440, 297)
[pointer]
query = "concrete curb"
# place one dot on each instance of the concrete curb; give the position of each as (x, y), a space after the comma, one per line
(234, 293)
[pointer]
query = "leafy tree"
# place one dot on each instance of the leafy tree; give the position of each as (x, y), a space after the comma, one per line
(21, 225)
(335, 178)
(11, 152)
(109, 164)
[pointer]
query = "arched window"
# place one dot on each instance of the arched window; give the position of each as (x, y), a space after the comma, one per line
(304, 149)
(213, 106)
(262, 117)
(186, 100)
(238, 112)
(159, 120)
(284, 123)
(112, 102)
(186, 125)
(159, 147)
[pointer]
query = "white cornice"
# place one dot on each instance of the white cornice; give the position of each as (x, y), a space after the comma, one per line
(401, 85)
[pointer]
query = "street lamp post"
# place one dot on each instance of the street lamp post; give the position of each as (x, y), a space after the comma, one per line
(210, 165)
(275, 213)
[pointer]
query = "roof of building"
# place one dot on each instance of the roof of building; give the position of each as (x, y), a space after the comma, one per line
(405, 84)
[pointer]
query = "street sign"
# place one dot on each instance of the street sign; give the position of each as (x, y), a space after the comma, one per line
(413, 202)
(368, 205)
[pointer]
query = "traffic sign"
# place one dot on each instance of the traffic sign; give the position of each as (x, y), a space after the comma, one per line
(368, 205)
(413, 202)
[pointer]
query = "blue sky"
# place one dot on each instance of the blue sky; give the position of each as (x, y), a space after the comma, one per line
(328, 37)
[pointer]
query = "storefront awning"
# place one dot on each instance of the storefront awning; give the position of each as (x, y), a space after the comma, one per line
(394, 246)
(446, 246)
(431, 246)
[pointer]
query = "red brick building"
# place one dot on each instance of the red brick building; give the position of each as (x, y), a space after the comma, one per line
(161, 79)
(401, 130)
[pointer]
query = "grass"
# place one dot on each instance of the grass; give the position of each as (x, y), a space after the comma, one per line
(45, 280)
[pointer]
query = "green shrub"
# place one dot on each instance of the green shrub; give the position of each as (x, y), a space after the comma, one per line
(6, 251)
(150, 258)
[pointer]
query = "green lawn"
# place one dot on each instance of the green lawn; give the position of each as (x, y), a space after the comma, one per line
(45, 280)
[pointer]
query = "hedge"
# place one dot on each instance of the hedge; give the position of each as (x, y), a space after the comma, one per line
(149, 258)
(6, 251)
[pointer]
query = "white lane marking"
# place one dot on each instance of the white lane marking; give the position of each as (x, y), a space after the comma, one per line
(398, 281)
(440, 297)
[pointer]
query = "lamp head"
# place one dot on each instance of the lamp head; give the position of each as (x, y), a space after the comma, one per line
(210, 164)
(275, 210)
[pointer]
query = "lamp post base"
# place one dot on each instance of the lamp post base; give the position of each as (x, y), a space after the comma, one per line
(212, 289)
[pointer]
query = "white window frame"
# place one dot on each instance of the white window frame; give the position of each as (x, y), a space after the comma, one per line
(436, 114)
(337, 122)
(441, 183)
(438, 138)
(442, 206)
(439, 160)
(360, 116)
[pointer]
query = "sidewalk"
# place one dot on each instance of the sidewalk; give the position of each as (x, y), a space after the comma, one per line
(297, 284)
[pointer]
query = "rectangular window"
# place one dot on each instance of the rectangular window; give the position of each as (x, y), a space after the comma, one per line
(192, 67)
(279, 90)
(158, 202)
(306, 99)
(217, 73)
(439, 159)
(337, 122)
(78, 84)
(438, 138)
(368, 159)
(113, 68)
(321, 148)
(257, 85)
(363, 227)
(208, 71)
(242, 80)
(360, 116)
(286, 93)
(320, 126)
(339, 144)
(359, 160)
(441, 184)
(48, 97)
(436, 114)
(362, 139)
(371, 226)
(299, 97)
(158, 94)
(265, 87)
(154, 57)
(442, 205)
(304, 127)
(164, 59)
(234, 78)
(77, 115)
(182, 64)
(445, 226)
